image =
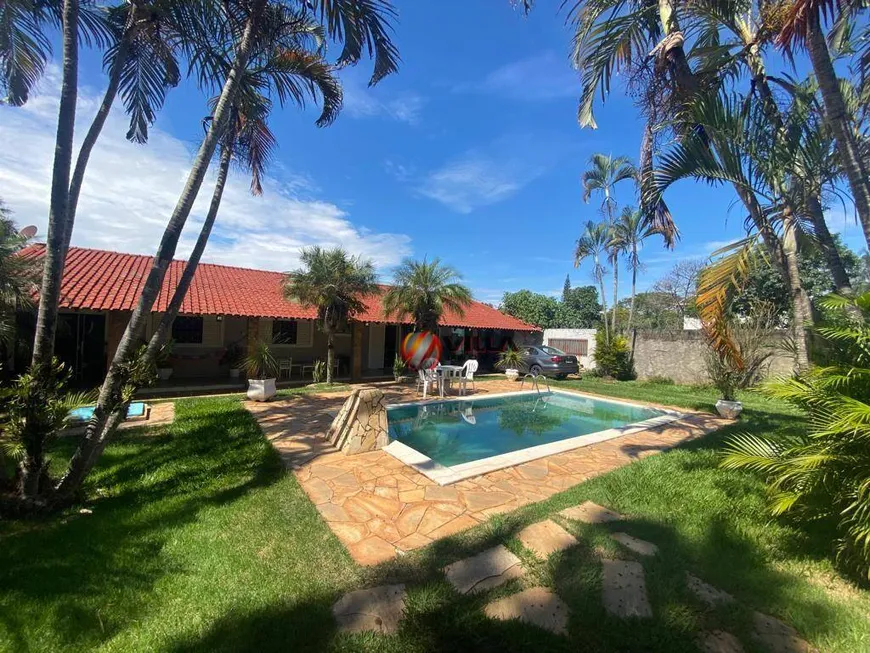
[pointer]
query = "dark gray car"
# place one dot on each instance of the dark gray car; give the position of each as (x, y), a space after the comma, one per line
(550, 361)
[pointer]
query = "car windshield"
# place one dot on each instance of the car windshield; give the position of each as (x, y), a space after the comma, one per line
(552, 351)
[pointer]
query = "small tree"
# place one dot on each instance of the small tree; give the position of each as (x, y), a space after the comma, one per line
(334, 284)
(424, 290)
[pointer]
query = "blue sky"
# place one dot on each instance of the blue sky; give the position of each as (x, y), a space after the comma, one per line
(471, 153)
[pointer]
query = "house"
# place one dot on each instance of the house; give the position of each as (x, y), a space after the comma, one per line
(228, 308)
(579, 342)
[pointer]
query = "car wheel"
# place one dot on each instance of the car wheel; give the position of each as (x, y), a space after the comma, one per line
(536, 370)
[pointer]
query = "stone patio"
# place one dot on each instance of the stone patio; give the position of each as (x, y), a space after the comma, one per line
(379, 507)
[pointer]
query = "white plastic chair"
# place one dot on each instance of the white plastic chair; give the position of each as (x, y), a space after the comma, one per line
(285, 365)
(467, 374)
(425, 378)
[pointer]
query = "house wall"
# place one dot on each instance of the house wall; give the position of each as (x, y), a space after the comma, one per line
(588, 335)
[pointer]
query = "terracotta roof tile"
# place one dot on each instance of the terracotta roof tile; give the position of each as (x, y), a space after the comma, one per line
(100, 280)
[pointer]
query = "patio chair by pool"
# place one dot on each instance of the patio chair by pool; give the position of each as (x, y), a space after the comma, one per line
(425, 378)
(285, 365)
(467, 374)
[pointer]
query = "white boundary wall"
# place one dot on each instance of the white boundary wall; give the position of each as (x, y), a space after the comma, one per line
(575, 334)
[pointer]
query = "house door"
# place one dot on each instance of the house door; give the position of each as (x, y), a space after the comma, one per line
(377, 333)
(81, 344)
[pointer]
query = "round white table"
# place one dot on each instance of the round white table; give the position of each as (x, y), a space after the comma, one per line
(447, 373)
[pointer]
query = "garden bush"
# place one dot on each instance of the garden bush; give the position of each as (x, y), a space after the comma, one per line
(613, 357)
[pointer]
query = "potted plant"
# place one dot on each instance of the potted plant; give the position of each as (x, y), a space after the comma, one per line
(511, 361)
(399, 369)
(164, 369)
(234, 358)
(261, 367)
(726, 379)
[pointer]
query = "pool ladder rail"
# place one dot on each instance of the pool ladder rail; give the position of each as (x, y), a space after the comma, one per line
(535, 383)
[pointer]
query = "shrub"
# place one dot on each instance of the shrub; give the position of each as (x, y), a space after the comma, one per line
(658, 379)
(751, 341)
(613, 357)
(318, 372)
(824, 472)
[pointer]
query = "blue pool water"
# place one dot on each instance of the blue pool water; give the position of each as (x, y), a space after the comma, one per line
(461, 431)
(84, 413)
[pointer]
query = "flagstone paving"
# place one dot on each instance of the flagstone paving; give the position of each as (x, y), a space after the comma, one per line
(639, 546)
(484, 571)
(777, 636)
(378, 608)
(536, 605)
(379, 507)
(545, 538)
(710, 595)
(624, 589)
(590, 513)
(719, 641)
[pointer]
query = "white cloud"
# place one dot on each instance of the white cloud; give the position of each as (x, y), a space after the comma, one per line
(545, 76)
(484, 176)
(130, 191)
(360, 101)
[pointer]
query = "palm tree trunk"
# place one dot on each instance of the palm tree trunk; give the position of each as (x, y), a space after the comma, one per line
(829, 248)
(856, 169)
(91, 137)
(615, 294)
(633, 289)
(800, 300)
(33, 464)
(330, 355)
(52, 272)
(106, 417)
(603, 303)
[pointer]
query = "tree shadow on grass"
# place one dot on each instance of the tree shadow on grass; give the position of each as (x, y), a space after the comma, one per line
(68, 564)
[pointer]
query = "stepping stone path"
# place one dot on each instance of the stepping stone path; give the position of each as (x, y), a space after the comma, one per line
(777, 636)
(545, 538)
(378, 609)
(710, 595)
(624, 589)
(641, 547)
(537, 605)
(484, 571)
(591, 513)
(718, 641)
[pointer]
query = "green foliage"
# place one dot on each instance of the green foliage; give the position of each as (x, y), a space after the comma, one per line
(613, 357)
(260, 363)
(318, 372)
(823, 472)
(423, 290)
(579, 308)
(18, 275)
(333, 283)
(399, 367)
(659, 379)
(511, 359)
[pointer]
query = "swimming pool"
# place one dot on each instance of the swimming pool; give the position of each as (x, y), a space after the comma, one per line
(84, 413)
(450, 440)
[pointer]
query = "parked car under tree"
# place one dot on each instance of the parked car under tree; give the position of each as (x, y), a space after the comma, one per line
(549, 361)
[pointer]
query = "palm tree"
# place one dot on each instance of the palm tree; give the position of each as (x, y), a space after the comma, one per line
(803, 25)
(629, 232)
(594, 243)
(17, 275)
(281, 54)
(334, 284)
(603, 174)
(424, 290)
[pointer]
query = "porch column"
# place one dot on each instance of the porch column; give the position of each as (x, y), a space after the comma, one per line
(253, 333)
(356, 348)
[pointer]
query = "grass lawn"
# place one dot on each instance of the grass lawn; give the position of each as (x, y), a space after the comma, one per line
(199, 541)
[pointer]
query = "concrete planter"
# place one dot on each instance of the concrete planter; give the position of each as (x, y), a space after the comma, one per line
(512, 375)
(163, 373)
(261, 389)
(729, 409)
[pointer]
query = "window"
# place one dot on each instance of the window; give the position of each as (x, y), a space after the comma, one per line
(187, 329)
(285, 332)
(575, 347)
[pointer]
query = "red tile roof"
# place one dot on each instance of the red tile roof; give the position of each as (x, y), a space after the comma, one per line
(100, 280)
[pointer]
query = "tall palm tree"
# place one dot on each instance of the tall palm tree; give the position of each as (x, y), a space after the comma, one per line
(594, 243)
(17, 275)
(334, 284)
(280, 54)
(629, 232)
(423, 290)
(803, 26)
(604, 172)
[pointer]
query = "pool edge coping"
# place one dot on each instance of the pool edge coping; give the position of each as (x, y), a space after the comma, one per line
(448, 475)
